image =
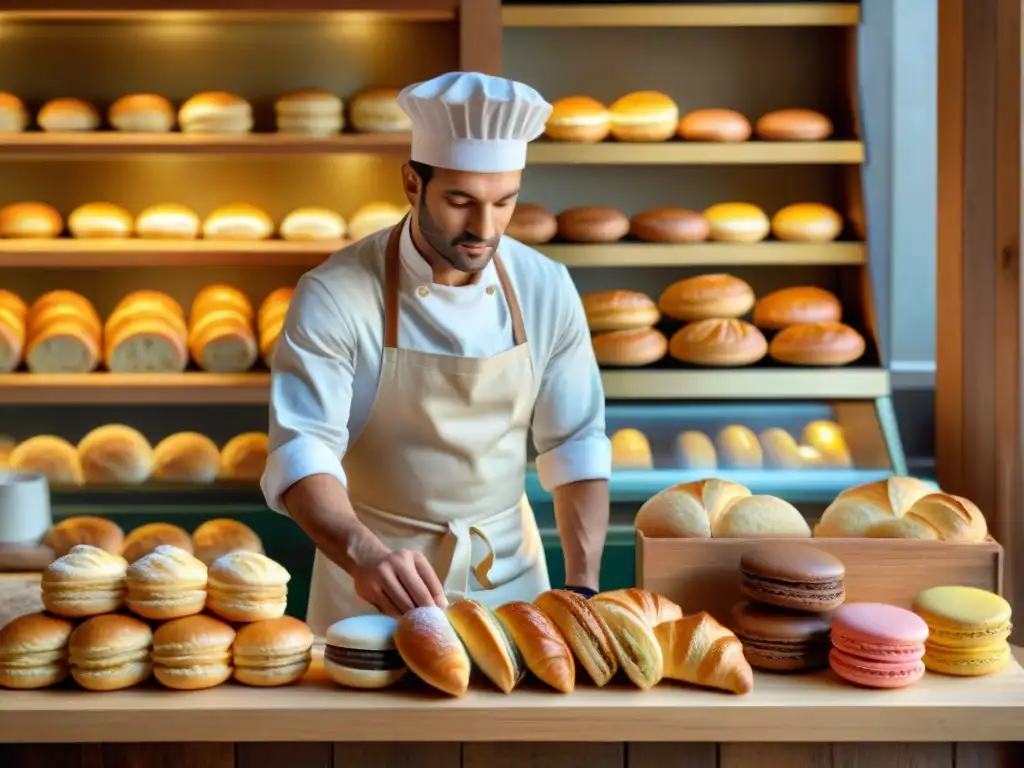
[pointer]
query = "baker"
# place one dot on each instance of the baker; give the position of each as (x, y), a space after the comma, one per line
(411, 369)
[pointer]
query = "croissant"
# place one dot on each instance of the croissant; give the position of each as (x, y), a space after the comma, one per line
(699, 650)
(636, 647)
(648, 606)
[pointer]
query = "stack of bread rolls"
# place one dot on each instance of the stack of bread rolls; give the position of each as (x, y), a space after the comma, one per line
(13, 317)
(270, 320)
(221, 335)
(63, 334)
(622, 324)
(807, 328)
(146, 333)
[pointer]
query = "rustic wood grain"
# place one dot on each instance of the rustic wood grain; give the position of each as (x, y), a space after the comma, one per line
(892, 756)
(668, 755)
(278, 754)
(398, 755)
(568, 755)
(775, 755)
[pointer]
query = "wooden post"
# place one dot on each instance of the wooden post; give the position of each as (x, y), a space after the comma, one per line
(480, 36)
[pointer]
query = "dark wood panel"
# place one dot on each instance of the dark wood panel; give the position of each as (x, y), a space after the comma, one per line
(668, 755)
(775, 755)
(158, 756)
(549, 755)
(892, 756)
(282, 754)
(408, 755)
(41, 756)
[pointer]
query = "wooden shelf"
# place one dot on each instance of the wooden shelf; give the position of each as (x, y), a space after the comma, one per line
(703, 254)
(697, 153)
(134, 389)
(66, 253)
(695, 15)
(37, 144)
(408, 10)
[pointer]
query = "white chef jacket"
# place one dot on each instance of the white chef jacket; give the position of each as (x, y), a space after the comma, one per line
(328, 360)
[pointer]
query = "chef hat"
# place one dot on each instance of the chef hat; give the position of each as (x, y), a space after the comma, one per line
(466, 121)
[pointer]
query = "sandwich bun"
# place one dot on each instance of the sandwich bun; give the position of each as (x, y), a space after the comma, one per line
(718, 342)
(247, 586)
(167, 221)
(34, 651)
(619, 310)
(640, 346)
(532, 224)
(737, 223)
(110, 652)
(312, 225)
(68, 115)
(84, 529)
(30, 221)
(807, 223)
(796, 305)
(14, 117)
(670, 225)
(192, 653)
(187, 457)
(361, 653)
(142, 113)
(146, 538)
(238, 221)
(273, 652)
(578, 118)
(115, 453)
(706, 296)
(216, 538)
(817, 344)
(100, 220)
(52, 457)
(215, 112)
(376, 110)
(168, 583)
(87, 581)
(794, 125)
(726, 125)
(592, 224)
(644, 116)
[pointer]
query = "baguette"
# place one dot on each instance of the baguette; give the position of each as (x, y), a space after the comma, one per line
(428, 644)
(699, 650)
(543, 648)
(648, 606)
(584, 630)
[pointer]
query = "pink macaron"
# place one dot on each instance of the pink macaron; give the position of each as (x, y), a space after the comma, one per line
(877, 645)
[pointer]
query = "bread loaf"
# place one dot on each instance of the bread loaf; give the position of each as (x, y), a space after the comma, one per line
(714, 125)
(794, 125)
(167, 221)
(215, 112)
(63, 334)
(640, 346)
(741, 223)
(532, 224)
(718, 342)
(373, 217)
(376, 110)
(780, 449)
(432, 649)
(100, 220)
(270, 321)
(142, 113)
(796, 305)
(216, 538)
(807, 223)
(145, 539)
(310, 112)
(238, 221)
(761, 517)
(592, 224)
(84, 529)
(313, 225)
(146, 334)
(221, 336)
(244, 457)
(817, 344)
(670, 225)
(14, 117)
(706, 296)
(65, 115)
(542, 646)
(644, 116)
(187, 457)
(52, 457)
(30, 220)
(700, 651)
(219, 296)
(115, 453)
(12, 340)
(688, 510)
(619, 310)
(578, 118)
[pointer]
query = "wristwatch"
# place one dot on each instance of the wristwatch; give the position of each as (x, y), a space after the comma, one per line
(586, 592)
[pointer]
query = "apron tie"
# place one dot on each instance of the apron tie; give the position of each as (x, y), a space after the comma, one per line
(456, 583)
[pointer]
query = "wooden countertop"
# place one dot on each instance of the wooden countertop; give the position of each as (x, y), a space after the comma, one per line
(803, 708)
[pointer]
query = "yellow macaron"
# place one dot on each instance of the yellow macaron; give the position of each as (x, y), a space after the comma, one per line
(963, 617)
(967, 662)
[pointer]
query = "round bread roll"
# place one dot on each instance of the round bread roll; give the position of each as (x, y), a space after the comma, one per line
(631, 450)
(223, 341)
(780, 449)
(68, 115)
(110, 652)
(310, 112)
(167, 583)
(84, 529)
(376, 110)
(218, 296)
(373, 217)
(216, 538)
(167, 221)
(826, 440)
(817, 344)
(245, 457)
(30, 221)
(247, 586)
(718, 342)
(738, 448)
(360, 652)
(807, 223)
(737, 223)
(238, 221)
(796, 305)
(115, 453)
(100, 220)
(794, 125)
(619, 311)
(640, 346)
(312, 225)
(14, 117)
(52, 457)
(186, 457)
(670, 225)
(532, 224)
(34, 651)
(146, 538)
(12, 340)
(63, 347)
(215, 112)
(592, 224)
(578, 118)
(644, 116)
(694, 450)
(142, 113)
(714, 125)
(193, 653)
(273, 652)
(706, 296)
(274, 307)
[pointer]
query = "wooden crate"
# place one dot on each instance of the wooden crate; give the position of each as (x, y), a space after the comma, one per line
(703, 574)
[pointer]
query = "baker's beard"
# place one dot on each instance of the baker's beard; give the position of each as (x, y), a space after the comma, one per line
(449, 249)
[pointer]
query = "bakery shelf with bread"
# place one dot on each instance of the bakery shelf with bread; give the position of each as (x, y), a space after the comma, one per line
(698, 153)
(707, 14)
(247, 10)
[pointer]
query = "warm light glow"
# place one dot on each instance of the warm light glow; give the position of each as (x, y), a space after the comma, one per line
(353, 27)
(811, 456)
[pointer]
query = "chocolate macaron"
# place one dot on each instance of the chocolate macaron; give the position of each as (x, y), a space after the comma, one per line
(782, 641)
(361, 653)
(795, 576)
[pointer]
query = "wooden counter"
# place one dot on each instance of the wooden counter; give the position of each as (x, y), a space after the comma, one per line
(941, 722)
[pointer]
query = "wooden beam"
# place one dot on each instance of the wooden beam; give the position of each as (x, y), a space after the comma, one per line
(480, 36)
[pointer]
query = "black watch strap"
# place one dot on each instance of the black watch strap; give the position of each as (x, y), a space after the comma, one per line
(586, 592)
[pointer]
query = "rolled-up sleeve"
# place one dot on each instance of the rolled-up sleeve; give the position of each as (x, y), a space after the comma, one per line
(310, 392)
(568, 421)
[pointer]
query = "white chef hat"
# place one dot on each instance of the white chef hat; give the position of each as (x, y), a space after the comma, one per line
(466, 121)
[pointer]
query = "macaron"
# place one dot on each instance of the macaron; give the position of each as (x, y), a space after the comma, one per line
(794, 576)
(967, 630)
(778, 640)
(361, 652)
(877, 645)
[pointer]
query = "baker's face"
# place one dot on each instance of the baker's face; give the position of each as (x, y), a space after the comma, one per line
(462, 216)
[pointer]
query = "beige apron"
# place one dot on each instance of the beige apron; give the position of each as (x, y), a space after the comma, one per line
(440, 468)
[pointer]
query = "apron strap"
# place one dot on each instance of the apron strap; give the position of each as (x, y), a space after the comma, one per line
(392, 273)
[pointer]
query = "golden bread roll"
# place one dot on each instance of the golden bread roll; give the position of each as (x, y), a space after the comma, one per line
(146, 538)
(489, 645)
(216, 538)
(817, 344)
(85, 582)
(584, 630)
(856, 509)
(310, 112)
(737, 223)
(247, 586)
(115, 453)
(12, 340)
(794, 125)
(797, 305)
(578, 118)
(373, 217)
(34, 646)
(431, 648)
(619, 310)
(142, 113)
(644, 116)
(312, 225)
(146, 344)
(739, 448)
(13, 303)
(761, 517)
(669, 225)
(223, 341)
(718, 342)
(84, 529)
(147, 296)
(780, 449)
(714, 125)
(244, 457)
(52, 457)
(811, 457)
(68, 115)
(705, 297)
(269, 337)
(238, 221)
(687, 510)
(640, 346)
(43, 316)
(954, 518)
(807, 223)
(695, 450)
(700, 651)
(218, 296)
(274, 306)
(186, 457)
(215, 112)
(631, 450)
(167, 583)
(58, 298)
(903, 528)
(111, 653)
(592, 224)
(193, 653)
(272, 652)
(100, 220)
(532, 224)
(634, 643)
(14, 117)
(649, 607)
(376, 110)
(30, 221)
(544, 650)
(826, 437)
(65, 346)
(167, 221)
(146, 305)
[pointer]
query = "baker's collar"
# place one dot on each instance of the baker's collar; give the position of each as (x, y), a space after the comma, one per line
(420, 268)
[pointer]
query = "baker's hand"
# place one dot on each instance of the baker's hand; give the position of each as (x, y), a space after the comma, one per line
(399, 581)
